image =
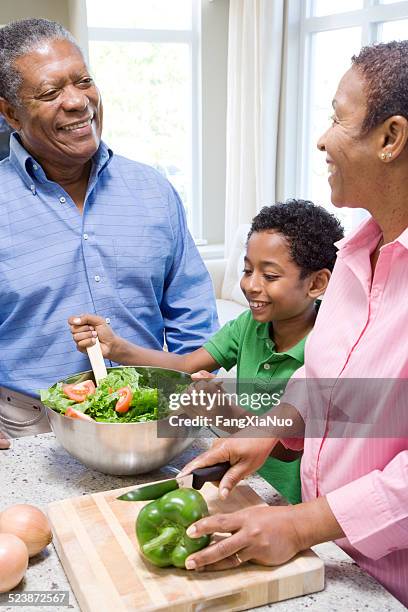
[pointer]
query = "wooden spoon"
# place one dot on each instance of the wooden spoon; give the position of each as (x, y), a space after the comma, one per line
(97, 361)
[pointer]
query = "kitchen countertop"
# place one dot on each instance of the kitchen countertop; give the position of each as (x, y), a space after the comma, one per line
(38, 470)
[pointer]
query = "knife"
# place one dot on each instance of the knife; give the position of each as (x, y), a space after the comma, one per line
(195, 480)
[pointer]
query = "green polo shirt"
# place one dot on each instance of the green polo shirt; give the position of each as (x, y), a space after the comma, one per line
(247, 344)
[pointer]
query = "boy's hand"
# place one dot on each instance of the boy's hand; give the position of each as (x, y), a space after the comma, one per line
(202, 375)
(85, 328)
(206, 382)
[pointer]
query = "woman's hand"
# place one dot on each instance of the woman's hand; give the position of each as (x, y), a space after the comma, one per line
(86, 328)
(245, 455)
(265, 535)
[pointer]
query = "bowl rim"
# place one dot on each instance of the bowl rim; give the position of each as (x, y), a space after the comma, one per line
(110, 368)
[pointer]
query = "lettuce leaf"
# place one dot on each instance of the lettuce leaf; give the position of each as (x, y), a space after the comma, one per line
(147, 402)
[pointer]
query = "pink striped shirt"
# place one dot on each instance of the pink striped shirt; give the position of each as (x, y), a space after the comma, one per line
(361, 332)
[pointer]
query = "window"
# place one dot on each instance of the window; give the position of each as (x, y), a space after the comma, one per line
(145, 58)
(329, 33)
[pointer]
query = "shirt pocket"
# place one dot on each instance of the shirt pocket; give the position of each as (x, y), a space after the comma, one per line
(140, 273)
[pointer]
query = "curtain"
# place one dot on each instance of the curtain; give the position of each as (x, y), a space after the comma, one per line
(255, 54)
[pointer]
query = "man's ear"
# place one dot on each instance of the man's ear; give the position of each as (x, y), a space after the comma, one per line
(318, 282)
(9, 113)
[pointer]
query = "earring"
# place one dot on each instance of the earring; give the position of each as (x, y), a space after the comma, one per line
(386, 155)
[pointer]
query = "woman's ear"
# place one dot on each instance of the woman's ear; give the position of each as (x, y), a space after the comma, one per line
(393, 138)
(318, 282)
(9, 113)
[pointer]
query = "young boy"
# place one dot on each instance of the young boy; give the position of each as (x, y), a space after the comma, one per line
(289, 257)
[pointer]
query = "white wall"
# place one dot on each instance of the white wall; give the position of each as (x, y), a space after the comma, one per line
(58, 10)
(71, 13)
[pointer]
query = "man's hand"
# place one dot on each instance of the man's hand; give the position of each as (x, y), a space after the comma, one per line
(245, 455)
(265, 535)
(86, 328)
(4, 441)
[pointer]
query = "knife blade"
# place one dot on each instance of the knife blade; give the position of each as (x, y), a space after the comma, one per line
(195, 480)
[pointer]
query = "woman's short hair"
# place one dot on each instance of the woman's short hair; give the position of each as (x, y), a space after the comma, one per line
(384, 67)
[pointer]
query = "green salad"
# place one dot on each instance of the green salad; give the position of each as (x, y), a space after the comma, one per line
(124, 396)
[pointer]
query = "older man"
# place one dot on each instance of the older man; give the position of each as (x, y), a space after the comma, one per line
(81, 229)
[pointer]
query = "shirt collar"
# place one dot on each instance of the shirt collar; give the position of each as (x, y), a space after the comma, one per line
(21, 159)
(262, 330)
(29, 169)
(102, 157)
(297, 351)
(403, 239)
(367, 234)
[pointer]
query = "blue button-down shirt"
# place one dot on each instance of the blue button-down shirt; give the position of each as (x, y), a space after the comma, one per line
(128, 257)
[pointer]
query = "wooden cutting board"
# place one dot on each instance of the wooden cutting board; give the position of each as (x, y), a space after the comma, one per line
(95, 539)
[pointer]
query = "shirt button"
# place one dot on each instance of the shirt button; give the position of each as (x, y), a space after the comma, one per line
(107, 320)
(97, 278)
(62, 200)
(32, 187)
(375, 293)
(35, 167)
(267, 366)
(86, 236)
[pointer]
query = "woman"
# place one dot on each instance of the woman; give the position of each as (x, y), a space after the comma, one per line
(354, 489)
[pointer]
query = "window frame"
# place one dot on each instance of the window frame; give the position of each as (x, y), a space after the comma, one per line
(192, 38)
(295, 181)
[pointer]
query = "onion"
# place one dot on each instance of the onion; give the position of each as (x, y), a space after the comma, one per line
(28, 523)
(13, 561)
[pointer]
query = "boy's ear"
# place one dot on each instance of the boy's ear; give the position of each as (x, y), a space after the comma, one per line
(9, 113)
(318, 282)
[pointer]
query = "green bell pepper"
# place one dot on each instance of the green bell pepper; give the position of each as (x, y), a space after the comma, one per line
(161, 527)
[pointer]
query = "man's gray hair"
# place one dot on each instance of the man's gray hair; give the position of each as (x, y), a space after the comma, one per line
(19, 38)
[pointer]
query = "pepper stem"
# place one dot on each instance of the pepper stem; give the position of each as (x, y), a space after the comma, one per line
(161, 540)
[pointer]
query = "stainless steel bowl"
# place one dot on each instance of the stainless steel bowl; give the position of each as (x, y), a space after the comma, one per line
(121, 449)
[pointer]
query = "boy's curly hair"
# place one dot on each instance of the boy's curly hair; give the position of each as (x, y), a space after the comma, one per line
(310, 231)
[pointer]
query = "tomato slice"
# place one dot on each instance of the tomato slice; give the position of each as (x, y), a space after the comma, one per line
(80, 391)
(125, 399)
(77, 414)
